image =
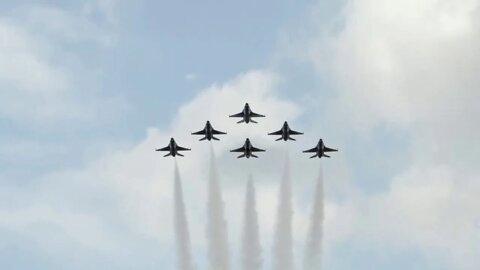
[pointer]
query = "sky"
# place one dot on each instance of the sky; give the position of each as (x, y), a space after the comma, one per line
(88, 89)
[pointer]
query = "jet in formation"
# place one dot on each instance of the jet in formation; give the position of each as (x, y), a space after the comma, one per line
(247, 149)
(173, 149)
(247, 114)
(320, 150)
(208, 131)
(285, 133)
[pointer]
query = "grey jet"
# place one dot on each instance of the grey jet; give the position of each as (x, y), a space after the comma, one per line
(208, 131)
(320, 150)
(247, 149)
(173, 149)
(285, 133)
(247, 114)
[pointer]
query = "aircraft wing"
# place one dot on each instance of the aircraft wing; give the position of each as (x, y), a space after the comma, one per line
(237, 115)
(326, 149)
(241, 149)
(201, 132)
(293, 132)
(216, 132)
(179, 148)
(254, 149)
(166, 148)
(252, 114)
(276, 133)
(313, 150)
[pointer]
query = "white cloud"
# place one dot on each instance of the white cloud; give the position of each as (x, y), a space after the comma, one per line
(39, 76)
(404, 62)
(191, 76)
(410, 66)
(135, 184)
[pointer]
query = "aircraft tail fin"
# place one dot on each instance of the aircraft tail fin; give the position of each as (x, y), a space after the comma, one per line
(241, 121)
(241, 156)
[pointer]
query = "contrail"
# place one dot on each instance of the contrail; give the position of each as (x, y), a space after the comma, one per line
(313, 251)
(218, 252)
(251, 257)
(182, 235)
(283, 240)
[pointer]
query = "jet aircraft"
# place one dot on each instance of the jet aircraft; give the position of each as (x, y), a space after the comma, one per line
(285, 133)
(320, 150)
(173, 149)
(247, 149)
(247, 114)
(208, 131)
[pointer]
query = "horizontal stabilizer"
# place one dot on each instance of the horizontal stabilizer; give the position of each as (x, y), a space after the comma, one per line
(203, 139)
(241, 156)
(279, 139)
(292, 139)
(180, 154)
(215, 138)
(313, 156)
(252, 155)
(325, 155)
(167, 155)
(253, 121)
(241, 121)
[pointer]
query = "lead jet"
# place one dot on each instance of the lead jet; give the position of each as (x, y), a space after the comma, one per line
(320, 150)
(208, 131)
(247, 149)
(173, 149)
(247, 114)
(285, 133)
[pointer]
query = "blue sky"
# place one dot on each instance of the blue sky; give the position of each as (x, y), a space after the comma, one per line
(89, 88)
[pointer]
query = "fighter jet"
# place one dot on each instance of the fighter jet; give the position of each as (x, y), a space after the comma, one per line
(247, 114)
(173, 149)
(320, 150)
(247, 149)
(208, 131)
(285, 133)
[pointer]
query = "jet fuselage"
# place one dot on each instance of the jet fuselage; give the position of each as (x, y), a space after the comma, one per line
(285, 131)
(247, 113)
(173, 147)
(208, 131)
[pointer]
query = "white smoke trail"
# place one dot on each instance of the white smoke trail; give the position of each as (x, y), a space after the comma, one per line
(283, 240)
(251, 258)
(218, 252)
(182, 235)
(313, 251)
